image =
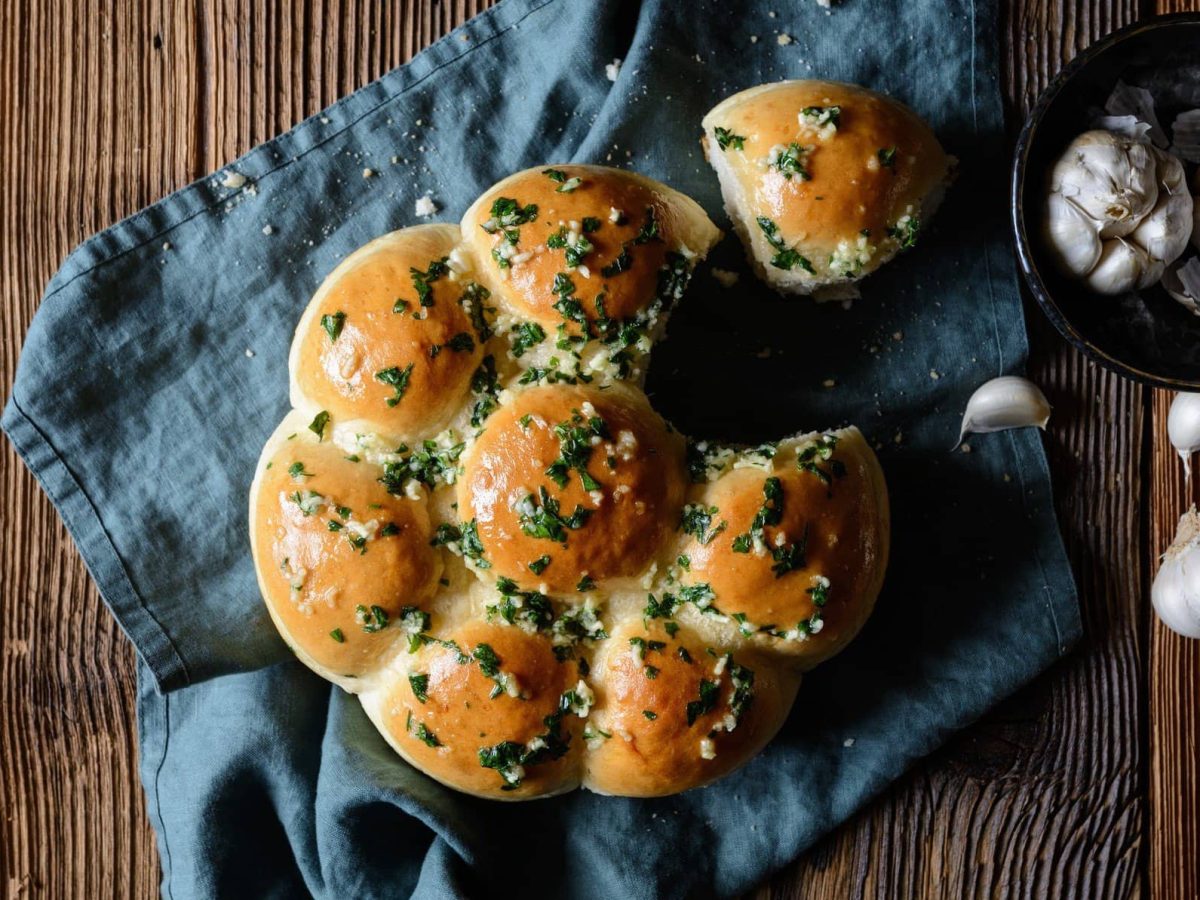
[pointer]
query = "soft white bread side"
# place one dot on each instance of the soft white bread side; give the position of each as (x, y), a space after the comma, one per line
(824, 182)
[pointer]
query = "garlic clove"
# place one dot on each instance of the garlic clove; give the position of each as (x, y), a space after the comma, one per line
(1121, 268)
(1183, 427)
(1002, 403)
(1072, 234)
(1175, 593)
(1165, 232)
(1110, 177)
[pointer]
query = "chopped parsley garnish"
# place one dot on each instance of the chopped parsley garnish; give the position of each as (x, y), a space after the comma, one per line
(683, 654)
(577, 247)
(791, 162)
(642, 646)
(699, 595)
(785, 257)
(429, 464)
(697, 519)
(509, 758)
(506, 213)
(743, 687)
(309, 502)
(649, 230)
(726, 139)
(887, 157)
(621, 263)
(538, 566)
(474, 299)
(489, 665)
(337, 635)
(706, 703)
(335, 525)
(650, 714)
(467, 538)
(905, 231)
(422, 280)
(821, 450)
(396, 378)
(586, 583)
(296, 470)
(817, 116)
(422, 733)
(651, 672)
(400, 306)
(556, 175)
(317, 425)
(521, 607)
(575, 449)
(819, 591)
(790, 556)
(373, 619)
(420, 686)
(545, 521)
(461, 343)
(485, 385)
(332, 323)
(661, 609)
(590, 224)
(390, 529)
(526, 335)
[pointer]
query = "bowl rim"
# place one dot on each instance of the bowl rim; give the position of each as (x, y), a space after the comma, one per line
(1024, 251)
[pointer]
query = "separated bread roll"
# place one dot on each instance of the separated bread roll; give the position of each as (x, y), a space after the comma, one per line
(824, 182)
(529, 578)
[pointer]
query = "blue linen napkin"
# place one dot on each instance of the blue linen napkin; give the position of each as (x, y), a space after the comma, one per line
(156, 367)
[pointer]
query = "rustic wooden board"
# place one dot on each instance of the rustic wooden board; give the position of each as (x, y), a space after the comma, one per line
(1083, 785)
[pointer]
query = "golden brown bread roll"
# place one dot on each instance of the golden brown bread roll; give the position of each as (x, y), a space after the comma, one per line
(824, 182)
(511, 564)
(387, 338)
(572, 482)
(337, 556)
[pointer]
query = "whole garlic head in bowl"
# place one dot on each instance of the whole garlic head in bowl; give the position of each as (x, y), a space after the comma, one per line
(1117, 212)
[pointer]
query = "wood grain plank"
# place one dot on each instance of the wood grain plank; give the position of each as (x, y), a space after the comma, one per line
(1046, 796)
(95, 125)
(1174, 714)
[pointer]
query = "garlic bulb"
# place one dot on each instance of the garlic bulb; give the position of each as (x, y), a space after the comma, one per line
(1118, 211)
(1005, 402)
(1110, 177)
(1175, 593)
(1183, 427)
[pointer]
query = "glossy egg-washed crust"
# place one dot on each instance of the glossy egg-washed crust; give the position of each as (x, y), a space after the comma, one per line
(525, 574)
(867, 184)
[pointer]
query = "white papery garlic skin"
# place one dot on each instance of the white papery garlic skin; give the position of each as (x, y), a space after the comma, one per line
(1175, 593)
(1005, 402)
(1117, 213)
(1183, 427)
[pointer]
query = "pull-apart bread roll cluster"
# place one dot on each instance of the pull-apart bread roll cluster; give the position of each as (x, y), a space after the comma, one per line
(824, 182)
(473, 519)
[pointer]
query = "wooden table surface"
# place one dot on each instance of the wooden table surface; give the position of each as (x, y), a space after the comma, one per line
(1083, 785)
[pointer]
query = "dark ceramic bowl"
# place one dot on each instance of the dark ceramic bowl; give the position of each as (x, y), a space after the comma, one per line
(1145, 335)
